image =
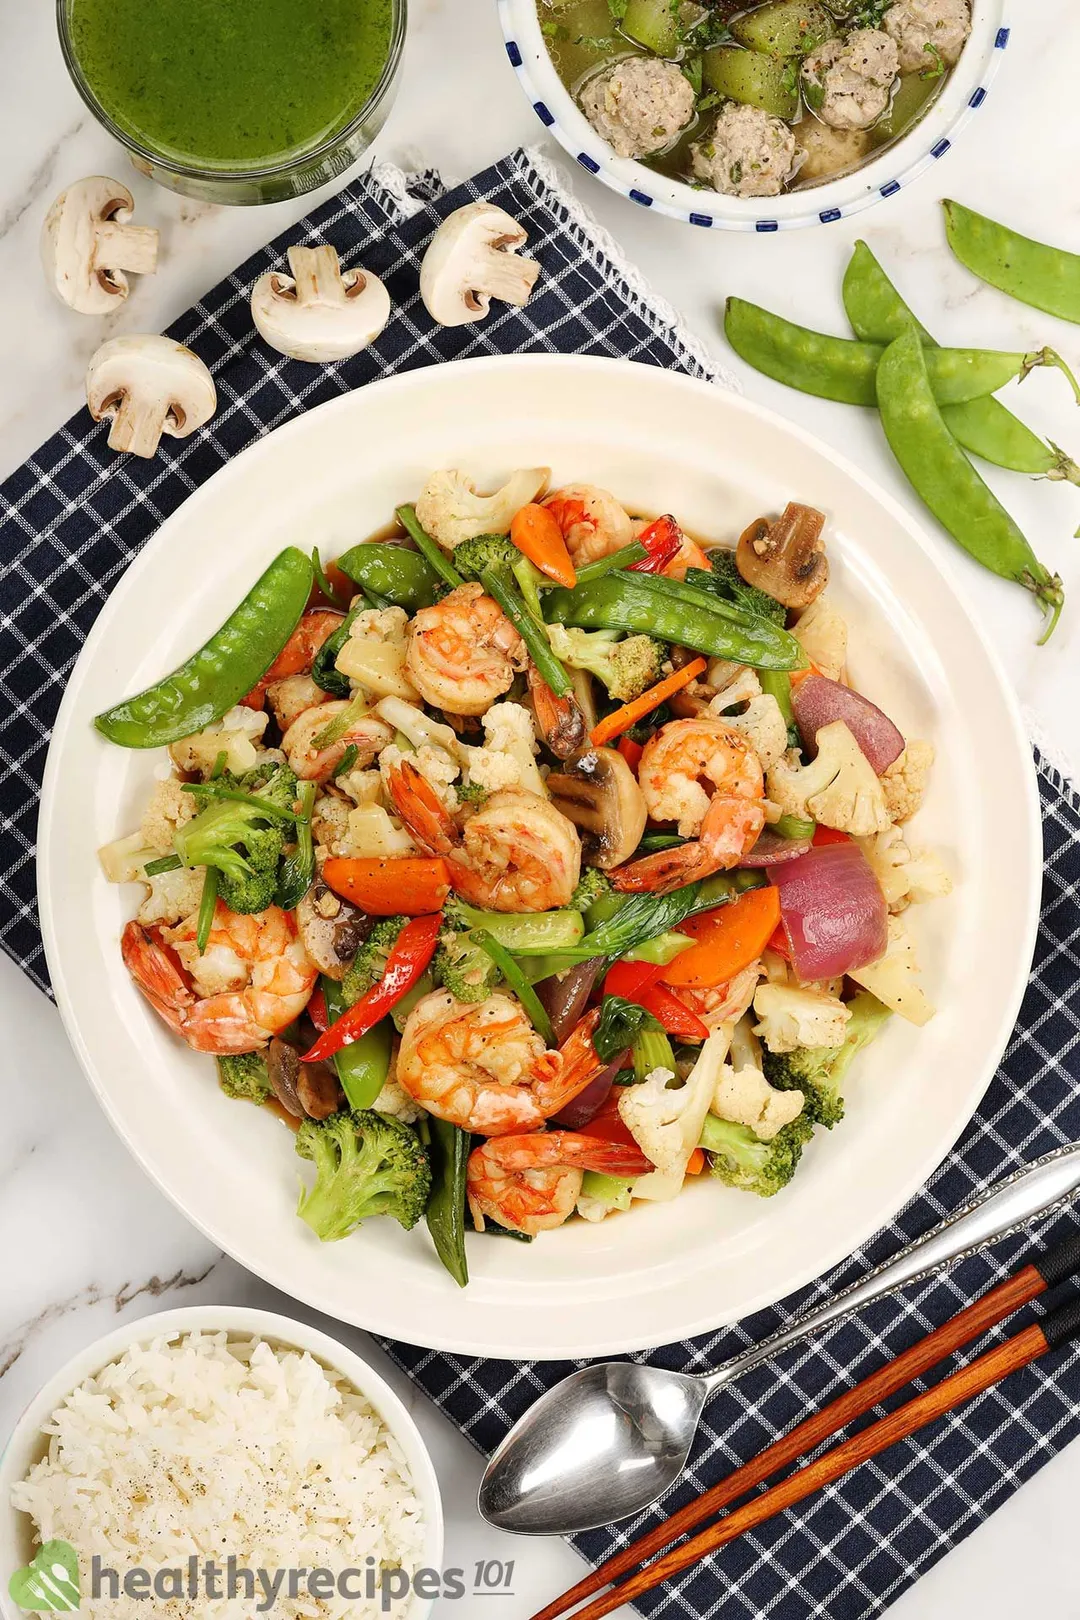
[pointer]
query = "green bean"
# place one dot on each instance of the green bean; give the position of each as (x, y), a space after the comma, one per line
(1034, 272)
(224, 669)
(944, 478)
(984, 427)
(406, 516)
(634, 552)
(402, 577)
(532, 632)
(448, 1150)
(843, 370)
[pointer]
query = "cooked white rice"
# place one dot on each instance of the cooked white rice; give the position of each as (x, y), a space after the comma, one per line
(210, 1446)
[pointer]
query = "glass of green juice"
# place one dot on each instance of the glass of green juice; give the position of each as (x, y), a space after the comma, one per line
(237, 101)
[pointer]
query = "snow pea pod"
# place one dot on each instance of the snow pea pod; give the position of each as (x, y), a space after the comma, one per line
(448, 1150)
(844, 370)
(983, 426)
(943, 477)
(364, 1064)
(402, 577)
(1034, 272)
(216, 677)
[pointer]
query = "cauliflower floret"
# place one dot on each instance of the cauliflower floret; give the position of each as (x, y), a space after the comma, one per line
(904, 875)
(848, 82)
(749, 153)
(795, 1015)
(508, 757)
(593, 1209)
(173, 896)
(735, 685)
(374, 654)
(395, 1101)
(838, 788)
(746, 1098)
(822, 634)
(665, 1119)
(170, 808)
(330, 825)
(765, 727)
(639, 105)
(235, 735)
(451, 511)
(894, 977)
(362, 787)
(904, 783)
(925, 30)
(292, 697)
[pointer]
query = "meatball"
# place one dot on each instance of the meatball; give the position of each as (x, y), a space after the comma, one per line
(923, 27)
(749, 153)
(639, 106)
(848, 81)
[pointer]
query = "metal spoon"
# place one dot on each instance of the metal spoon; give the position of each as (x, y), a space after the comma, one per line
(605, 1442)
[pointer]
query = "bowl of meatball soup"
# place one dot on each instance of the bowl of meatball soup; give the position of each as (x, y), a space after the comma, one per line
(760, 116)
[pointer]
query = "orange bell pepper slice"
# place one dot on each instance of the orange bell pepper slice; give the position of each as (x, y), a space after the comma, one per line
(727, 940)
(537, 536)
(412, 885)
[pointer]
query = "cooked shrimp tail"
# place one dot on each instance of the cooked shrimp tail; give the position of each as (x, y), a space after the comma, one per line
(559, 718)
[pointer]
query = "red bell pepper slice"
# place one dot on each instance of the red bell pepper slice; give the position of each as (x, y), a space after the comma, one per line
(663, 541)
(607, 1125)
(631, 751)
(829, 835)
(316, 1011)
(673, 1013)
(413, 950)
(628, 979)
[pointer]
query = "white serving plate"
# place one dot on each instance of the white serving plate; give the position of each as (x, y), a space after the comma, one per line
(28, 1444)
(663, 442)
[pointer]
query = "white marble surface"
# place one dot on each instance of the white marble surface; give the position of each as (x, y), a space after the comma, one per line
(85, 1238)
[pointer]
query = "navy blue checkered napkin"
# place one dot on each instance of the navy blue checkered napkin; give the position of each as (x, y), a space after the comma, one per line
(70, 521)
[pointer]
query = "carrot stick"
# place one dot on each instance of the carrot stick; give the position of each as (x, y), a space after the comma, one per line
(537, 536)
(622, 719)
(411, 885)
(696, 1163)
(728, 940)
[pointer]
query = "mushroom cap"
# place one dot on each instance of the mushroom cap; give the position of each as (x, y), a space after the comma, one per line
(599, 793)
(319, 313)
(148, 385)
(473, 258)
(786, 558)
(87, 243)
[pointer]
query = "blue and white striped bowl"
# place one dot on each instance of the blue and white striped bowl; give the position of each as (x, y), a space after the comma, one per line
(884, 176)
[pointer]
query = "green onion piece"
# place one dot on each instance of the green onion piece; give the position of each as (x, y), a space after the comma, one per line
(166, 863)
(264, 805)
(634, 552)
(406, 516)
(219, 766)
(519, 984)
(794, 827)
(357, 708)
(324, 584)
(207, 907)
(531, 633)
(346, 762)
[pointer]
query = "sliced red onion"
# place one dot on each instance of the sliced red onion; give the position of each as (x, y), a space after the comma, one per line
(833, 911)
(772, 850)
(564, 997)
(588, 1103)
(818, 701)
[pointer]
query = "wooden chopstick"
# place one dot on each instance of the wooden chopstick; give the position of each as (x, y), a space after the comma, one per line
(1023, 1348)
(1046, 1272)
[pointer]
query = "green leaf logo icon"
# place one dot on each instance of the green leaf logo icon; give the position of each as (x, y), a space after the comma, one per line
(50, 1582)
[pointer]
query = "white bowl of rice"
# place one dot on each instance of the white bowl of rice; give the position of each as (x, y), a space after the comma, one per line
(222, 1433)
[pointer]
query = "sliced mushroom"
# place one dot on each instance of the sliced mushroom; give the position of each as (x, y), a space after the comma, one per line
(472, 259)
(786, 558)
(320, 312)
(148, 385)
(331, 930)
(598, 792)
(318, 1090)
(283, 1067)
(87, 243)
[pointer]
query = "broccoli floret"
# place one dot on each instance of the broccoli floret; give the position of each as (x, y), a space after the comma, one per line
(369, 964)
(244, 1076)
(741, 1159)
(627, 665)
(471, 792)
(241, 837)
(726, 581)
(819, 1071)
(495, 551)
(592, 885)
(463, 967)
(365, 1164)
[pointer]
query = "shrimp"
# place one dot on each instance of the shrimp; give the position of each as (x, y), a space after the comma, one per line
(253, 979)
(367, 734)
(463, 652)
(532, 1183)
(723, 1003)
(298, 654)
(482, 1066)
(517, 853)
(704, 775)
(592, 522)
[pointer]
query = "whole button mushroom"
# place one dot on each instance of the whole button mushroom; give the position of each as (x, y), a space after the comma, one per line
(319, 313)
(786, 558)
(148, 385)
(87, 243)
(472, 259)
